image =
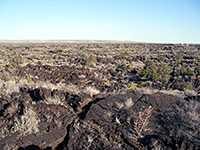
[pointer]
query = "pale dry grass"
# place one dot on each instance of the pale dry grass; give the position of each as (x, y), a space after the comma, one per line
(11, 86)
(91, 91)
(56, 100)
(148, 91)
(28, 123)
(119, 105)
(46, 85)
(129, 103)
(137, 64)
(73, 88)
(2, 133)
(190, 93)
(176, 93)
(8, 87)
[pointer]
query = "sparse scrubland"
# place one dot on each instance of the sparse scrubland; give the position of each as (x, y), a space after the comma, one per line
(99, 96)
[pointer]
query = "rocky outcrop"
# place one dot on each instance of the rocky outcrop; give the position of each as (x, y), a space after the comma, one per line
(44, 119)
(34, 119)
(110, 123)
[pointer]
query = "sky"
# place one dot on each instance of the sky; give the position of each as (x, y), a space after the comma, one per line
(157, 21)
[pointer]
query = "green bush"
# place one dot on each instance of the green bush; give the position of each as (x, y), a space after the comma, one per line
(126, 53)
(12, 48)
(183, 70)
(109, 76)
(164, 71)
(198, 77)
(132, 86)
(125, 68)
(156, 72)
(29, 79)
(28, 47)
(91, 61)
(177, 58)
(106, 82)
(161, 58)
(98, 53)
(183, 86)
(16, 60)
(197, 70)
(143, 84)
(126, 45)
(81, 47)
(118, 46)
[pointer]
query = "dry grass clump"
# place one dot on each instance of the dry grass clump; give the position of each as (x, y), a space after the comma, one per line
(56, 100)
(2, 134)
(119, 105)
(129, 103)
(73, 88)
(148, 91)
(91, 91)
(8, 87)
(190, 93)
(137, 64)
(46, 85)
(28, 123)
(176, 93)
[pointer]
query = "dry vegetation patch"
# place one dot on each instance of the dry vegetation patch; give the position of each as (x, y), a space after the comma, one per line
(100, 95)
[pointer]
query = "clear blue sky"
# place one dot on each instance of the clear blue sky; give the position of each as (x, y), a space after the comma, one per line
(133, 20)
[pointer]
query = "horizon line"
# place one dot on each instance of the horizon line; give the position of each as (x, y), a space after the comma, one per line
(59, 41)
